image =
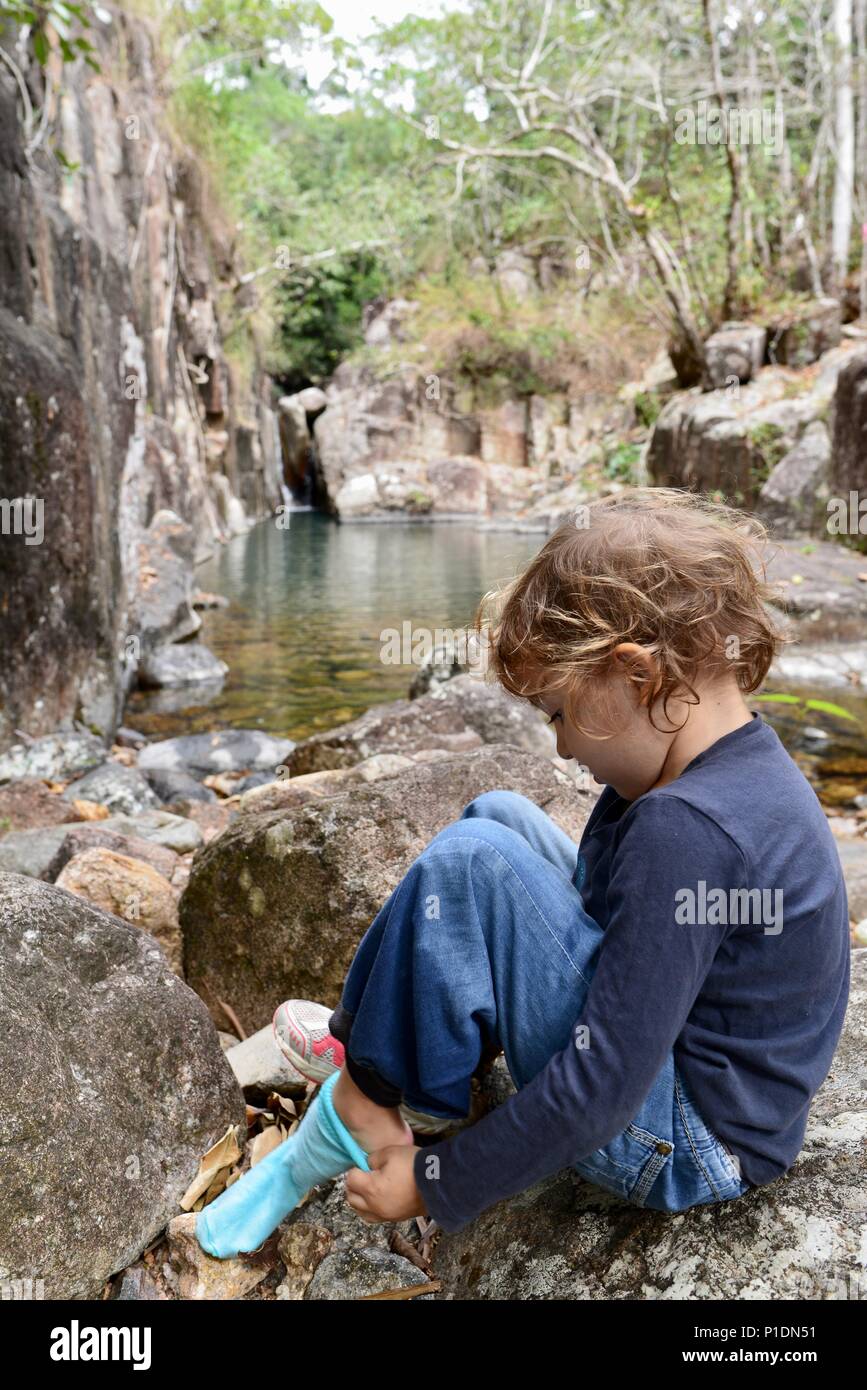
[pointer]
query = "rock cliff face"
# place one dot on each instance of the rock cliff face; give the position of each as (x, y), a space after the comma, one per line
(116, 398)
(765, 445)
(397, 441)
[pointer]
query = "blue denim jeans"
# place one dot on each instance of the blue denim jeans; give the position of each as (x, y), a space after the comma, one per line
(485, 945)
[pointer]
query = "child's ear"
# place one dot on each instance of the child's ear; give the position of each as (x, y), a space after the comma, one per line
(639, 665)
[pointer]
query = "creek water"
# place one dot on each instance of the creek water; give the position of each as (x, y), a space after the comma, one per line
(308, 605)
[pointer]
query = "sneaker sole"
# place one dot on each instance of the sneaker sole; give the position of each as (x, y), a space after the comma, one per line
(312, 1069)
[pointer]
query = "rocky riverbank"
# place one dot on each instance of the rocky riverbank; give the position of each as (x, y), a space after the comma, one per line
(781, 431)
(168, 895)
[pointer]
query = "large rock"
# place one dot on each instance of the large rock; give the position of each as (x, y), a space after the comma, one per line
(180, 663)
(464, 712)
(802, 1236)
(179, 833)
(29, 805)
(733, 441)
(849, 456)
(504, 433)
(795, 497)
(54, 757)
(735, 353)
(31, 852)
(802, 335)
(295, 440)
(121, 789)
(164, 611)
(115, 405)
(128, 888)
(114, 1085)
(819, 588)
(276, 906)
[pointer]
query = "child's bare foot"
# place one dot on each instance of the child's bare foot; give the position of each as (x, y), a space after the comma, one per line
(373, 1126)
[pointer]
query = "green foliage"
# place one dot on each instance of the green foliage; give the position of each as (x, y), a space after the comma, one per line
(319, 316)
(377, 194)
(321, 203)
(823, 706)
(769, 447)
(622, 463)
(647, 408)
(64, 18)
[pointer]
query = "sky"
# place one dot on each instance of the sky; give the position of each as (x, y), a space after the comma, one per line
(353, 19)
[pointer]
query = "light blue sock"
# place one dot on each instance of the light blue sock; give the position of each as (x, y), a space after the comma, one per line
(243, 1216)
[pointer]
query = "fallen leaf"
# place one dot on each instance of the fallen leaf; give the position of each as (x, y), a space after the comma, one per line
(282, 1103)
(411, 1291)
(90, 810)
(224, 1154)
(264, 1142)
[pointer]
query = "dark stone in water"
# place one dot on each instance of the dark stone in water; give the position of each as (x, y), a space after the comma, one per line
(182, 663)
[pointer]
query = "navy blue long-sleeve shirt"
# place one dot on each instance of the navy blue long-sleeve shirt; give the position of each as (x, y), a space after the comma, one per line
(753, 1008)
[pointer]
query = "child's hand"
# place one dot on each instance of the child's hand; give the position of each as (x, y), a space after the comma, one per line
(388, 1192)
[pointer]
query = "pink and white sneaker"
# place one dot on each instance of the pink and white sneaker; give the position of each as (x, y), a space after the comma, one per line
(302, 1035)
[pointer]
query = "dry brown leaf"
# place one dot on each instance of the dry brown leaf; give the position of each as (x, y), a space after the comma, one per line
(224, 782)
(224, 1154)
(90, 810)
(411, 1291)
(264, 1142)
(278, 1103)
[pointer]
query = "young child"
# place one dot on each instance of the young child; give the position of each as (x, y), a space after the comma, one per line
(669, 993)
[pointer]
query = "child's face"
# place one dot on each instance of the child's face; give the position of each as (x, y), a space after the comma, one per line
(631, 757)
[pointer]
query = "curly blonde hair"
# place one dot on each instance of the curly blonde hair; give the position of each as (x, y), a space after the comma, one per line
(676, 573)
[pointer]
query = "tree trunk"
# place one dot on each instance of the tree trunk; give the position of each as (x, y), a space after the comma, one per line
(844, 139)
(861, 49)
(733, 156)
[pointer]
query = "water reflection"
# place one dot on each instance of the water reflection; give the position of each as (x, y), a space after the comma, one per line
(307, 606)
(301, 636)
